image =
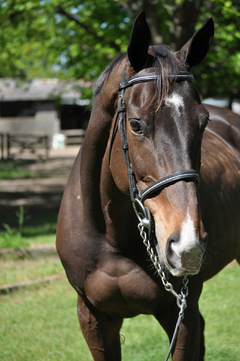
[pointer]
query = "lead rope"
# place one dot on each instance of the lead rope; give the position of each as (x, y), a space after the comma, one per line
(181, 298)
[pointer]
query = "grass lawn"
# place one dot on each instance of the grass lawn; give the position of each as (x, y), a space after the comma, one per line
(15, 239)
(220, 306)
(40, 324)
(25, 270)
(24, 236)
(22, 169)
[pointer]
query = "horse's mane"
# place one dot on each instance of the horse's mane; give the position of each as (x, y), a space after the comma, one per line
(165, 64)
(99, 83)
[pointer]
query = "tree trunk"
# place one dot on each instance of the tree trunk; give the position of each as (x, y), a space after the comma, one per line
(132, 6)
(184, 20)
(153, 22)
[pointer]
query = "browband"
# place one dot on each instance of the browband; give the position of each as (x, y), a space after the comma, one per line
(142, 78)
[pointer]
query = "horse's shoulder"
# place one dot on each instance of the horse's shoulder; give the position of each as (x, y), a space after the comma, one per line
(72, 190)
(70, 210)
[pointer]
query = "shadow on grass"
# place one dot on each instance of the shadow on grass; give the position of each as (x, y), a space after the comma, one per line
(16, 169)
(34, 168)
(39, 219)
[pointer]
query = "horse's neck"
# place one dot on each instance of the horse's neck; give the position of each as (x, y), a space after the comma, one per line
(118, 211)
(93, 150)
(92, 154)
(102, 212)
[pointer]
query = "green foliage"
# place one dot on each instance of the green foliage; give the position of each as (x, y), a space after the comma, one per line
(10, 238)
(22, 237)
(219, 74)
(38, 39)
(78, 40)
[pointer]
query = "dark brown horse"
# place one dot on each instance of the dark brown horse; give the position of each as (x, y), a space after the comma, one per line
(142, 154)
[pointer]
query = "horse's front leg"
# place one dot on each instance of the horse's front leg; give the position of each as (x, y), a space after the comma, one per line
(100, 331)
(190, 340)
(189, 345)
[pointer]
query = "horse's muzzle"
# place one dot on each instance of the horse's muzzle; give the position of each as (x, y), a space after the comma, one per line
(185, 256)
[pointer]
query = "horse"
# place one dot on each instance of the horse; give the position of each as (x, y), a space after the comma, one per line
(152, 206)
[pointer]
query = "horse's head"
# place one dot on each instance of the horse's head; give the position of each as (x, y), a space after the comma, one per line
(164, 126)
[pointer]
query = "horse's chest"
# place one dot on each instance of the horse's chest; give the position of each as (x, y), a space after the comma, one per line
(123, 288)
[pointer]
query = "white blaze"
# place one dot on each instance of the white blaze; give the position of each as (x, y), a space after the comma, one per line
(188, 239)
(175, 101)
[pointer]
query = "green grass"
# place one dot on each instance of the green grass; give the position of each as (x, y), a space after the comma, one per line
(40, 324)
(24, 236)
(13, 238)
(46, 229)
(29, 269)
(19, 169)
(16, 241)
(15, 174)
(220, 305)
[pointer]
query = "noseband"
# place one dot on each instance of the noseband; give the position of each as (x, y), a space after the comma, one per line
(138, 197)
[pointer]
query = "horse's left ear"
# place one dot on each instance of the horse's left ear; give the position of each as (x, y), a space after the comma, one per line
(195, 50)
(139, 43)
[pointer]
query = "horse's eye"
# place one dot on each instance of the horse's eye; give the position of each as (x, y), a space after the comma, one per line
(136, 126)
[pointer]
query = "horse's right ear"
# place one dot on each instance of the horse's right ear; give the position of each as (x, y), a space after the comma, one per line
(139, 43)
(195, 50)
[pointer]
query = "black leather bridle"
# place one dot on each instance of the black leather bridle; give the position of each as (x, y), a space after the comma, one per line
(138, 197)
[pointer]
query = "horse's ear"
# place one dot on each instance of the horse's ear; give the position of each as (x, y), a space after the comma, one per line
(139, 43)
(195, 50)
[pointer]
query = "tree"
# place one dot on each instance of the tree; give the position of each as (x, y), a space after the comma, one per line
(78, 39)
(43, 38)
(219, 75)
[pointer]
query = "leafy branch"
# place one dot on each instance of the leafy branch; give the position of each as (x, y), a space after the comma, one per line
(88, 29)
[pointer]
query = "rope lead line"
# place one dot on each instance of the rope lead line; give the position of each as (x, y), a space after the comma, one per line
(181, 298)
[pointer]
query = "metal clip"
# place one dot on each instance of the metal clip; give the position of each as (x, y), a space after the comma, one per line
(142, 215)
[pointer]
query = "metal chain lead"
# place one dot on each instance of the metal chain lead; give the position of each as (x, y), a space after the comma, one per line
(181, 298)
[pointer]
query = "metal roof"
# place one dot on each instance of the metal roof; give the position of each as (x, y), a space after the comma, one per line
(40, 89)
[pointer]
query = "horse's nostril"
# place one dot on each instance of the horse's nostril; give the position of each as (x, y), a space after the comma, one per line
(173, 238)
(185, 253)
(170, 254)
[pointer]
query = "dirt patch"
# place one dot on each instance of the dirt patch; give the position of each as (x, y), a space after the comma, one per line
(40, 193)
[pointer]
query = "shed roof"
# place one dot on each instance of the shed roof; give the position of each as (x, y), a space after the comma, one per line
(41, 89)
